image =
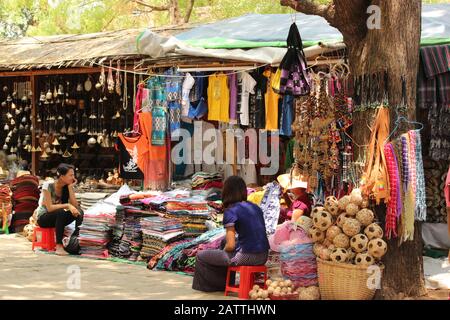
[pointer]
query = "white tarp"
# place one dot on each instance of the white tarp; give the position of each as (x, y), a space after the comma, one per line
(157, 46)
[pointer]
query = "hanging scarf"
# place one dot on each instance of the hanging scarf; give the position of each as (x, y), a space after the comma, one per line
(421, 206)
(394, 203)
(408, 214)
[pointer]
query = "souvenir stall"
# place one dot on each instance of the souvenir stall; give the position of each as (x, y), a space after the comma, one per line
(319, 206)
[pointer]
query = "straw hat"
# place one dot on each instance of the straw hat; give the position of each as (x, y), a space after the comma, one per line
(287, 181)
(22, 173)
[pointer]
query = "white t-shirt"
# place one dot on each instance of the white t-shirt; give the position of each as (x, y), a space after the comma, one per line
(247, 84)
(188, 83)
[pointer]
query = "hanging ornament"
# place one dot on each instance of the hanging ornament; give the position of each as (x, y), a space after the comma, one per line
(110, 78)
(49, 95)
(118, 80)
(38, 149)
(56, 142)
(88, 84)
(102, 78)
(75, 146)
(67, 154)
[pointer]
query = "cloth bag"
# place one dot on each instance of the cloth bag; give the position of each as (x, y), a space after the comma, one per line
(292, 73)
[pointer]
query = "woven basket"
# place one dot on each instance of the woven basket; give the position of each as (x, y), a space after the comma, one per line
(341, 281)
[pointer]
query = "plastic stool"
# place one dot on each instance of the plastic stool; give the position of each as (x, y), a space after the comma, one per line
(47, 239)
(247, 279)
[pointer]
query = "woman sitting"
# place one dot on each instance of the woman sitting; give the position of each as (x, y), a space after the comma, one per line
(252, 247)
(295, 197)
(58, 206)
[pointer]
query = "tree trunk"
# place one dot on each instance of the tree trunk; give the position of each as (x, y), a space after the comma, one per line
(394, 48)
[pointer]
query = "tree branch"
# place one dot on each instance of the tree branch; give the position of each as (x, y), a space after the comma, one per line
(310, 7)
(153, 7)
(189, 8)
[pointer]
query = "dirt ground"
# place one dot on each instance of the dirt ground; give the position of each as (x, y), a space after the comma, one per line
(36, 275)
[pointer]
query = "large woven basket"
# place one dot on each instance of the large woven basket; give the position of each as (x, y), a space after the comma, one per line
(341, 281)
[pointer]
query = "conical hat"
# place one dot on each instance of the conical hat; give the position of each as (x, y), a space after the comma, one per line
(291, 182)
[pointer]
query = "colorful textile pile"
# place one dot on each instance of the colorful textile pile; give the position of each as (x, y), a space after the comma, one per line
(204, 180)
(180, 256)
(298, 263)
(95, 234)
(25, 200)
(193, 215)
(127, 233)
(5, 205)
(96, 230)
(157, 233)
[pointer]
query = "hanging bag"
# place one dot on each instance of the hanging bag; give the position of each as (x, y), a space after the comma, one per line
(293, 74)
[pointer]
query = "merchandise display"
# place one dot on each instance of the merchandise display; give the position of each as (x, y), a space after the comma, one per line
(350, 238)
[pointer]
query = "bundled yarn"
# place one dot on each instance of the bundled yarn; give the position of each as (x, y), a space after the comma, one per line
(298, 263)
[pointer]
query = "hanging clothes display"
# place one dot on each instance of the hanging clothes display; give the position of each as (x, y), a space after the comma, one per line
(133, 152)
(433, 95)
(158, 110)
(246, 86)
(218, 98)
(257, 106)
(233, 85)
(287, 115)
(188, 83)
(271, 99)
(173, 94)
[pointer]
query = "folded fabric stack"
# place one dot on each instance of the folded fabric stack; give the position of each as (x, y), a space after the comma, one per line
(5, 206)
(204, 180)
(117, 232)
(96, 233)
(181, 256)
(193, 215)
(89, 199)
(127, 232)
(25, 200)
(157, 233)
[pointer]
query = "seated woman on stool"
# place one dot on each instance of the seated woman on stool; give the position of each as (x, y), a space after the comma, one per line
(251, 249)
(58, 206)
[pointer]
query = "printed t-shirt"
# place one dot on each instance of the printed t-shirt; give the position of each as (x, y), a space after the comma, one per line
(247, 85)
(218, 98)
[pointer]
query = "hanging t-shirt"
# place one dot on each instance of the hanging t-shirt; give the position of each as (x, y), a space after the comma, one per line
(233, 84)
(257, 113)
(246, 87)
(271, 98)
(218, 98)
(133, 154)
(188, 83)
(287, 115)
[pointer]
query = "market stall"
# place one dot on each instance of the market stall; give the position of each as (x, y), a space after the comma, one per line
(299, 108)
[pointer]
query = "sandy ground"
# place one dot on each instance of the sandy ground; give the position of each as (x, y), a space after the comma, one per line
(36, 275)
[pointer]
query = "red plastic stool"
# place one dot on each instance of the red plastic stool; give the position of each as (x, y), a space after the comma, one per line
(47, 239)
(247, 279)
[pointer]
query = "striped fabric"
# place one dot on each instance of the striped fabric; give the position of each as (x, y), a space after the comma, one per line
(393, 204)
(435, 59)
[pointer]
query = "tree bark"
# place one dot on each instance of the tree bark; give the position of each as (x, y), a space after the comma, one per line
(394, 49)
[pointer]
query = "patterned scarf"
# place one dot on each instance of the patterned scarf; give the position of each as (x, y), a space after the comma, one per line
(409, 212)
(421, 206)
(394, 203)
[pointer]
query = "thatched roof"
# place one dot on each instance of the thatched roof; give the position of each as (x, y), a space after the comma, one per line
(72, 50)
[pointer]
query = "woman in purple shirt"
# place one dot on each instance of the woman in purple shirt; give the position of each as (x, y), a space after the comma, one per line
(246, 240)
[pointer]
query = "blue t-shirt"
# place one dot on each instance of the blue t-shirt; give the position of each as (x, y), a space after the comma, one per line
(248, 220)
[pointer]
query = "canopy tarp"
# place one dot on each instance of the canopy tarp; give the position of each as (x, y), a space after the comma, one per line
(270, 30)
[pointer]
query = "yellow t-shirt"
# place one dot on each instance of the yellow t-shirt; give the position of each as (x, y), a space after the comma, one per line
(218, 98)
(271, 98)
